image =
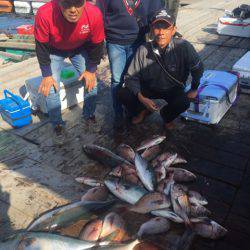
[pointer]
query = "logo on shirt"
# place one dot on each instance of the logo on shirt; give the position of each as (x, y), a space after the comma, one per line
(84, 29)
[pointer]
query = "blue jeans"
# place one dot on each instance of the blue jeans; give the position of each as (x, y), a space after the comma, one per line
(120, 57)
(53, 99)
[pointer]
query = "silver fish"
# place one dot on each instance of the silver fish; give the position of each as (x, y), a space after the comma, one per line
(196, 198)
(45, 241)
(155, 140)
(126, 152)
(209, 229)
(104, 156)
(169, 214)
(96, 194)
(121, 246)
(145, 173)
(150, 202)
(179, 160)
(89, 181)
(125, 191)
(181, 175)
(68, 214)
(92, 230)
(180, 202)
(199, 211)
(150, 153)
(154, 226)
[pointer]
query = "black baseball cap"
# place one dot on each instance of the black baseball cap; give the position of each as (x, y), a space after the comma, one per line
(162, 15)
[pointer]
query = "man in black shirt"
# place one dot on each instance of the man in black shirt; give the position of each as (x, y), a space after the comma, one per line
(160, 70)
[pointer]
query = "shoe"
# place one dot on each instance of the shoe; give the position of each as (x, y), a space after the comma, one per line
(59, 135)
(91, 125)
(140, 117)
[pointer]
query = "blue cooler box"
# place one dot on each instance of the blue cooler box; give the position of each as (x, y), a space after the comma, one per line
(15, 110)
(216, 94)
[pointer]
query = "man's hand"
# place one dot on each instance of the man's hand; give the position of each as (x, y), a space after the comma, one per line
(46, 84)
(148, 103)
(90, 80)
(192, 94)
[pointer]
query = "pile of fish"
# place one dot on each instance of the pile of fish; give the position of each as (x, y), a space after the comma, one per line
(152, 182)
(143, 181)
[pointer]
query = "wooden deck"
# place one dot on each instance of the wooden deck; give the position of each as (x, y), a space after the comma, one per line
(34, 176)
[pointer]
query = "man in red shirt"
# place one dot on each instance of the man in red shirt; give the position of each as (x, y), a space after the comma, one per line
(68, 29)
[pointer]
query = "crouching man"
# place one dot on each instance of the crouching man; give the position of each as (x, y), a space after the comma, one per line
(68, 29)
(159, 70)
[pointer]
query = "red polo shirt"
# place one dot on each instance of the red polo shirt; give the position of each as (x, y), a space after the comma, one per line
(51, 27)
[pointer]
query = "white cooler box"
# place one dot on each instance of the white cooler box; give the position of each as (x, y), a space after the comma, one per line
(234, 26)
(71, 92)
(22, 7)
(243, 68)
(216, 94)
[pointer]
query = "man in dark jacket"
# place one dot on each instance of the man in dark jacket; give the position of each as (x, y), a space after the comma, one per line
(68, 29)
(126, 22)
(159, 70)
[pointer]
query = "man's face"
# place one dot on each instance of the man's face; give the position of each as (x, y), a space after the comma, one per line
(163, 32)
(72, 12)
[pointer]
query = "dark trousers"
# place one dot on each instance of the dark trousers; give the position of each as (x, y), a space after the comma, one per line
(176, 98)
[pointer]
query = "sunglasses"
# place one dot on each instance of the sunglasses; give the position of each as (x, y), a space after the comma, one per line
(67, 4)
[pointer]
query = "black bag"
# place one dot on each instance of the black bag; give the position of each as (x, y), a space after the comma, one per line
(242, 12)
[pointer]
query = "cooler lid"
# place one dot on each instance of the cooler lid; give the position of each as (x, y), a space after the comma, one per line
(213, 84)
(243, 64)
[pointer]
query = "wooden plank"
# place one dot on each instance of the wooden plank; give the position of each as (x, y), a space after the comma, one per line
(230, 59)
(238, 223)
(241, 205)
(17, 45)
(220, 157)
(213, 189)
(215, 171)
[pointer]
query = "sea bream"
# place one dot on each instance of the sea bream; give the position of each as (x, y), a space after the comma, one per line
(150, 202)
(126, 152)
(154, 226)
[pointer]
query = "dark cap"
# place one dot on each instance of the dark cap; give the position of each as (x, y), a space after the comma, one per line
(162, 15)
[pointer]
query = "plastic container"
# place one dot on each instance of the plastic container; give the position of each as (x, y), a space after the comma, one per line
(234, 26)
(216, 94)
(25, 29)
(22, 7)
(15, 110)
(71, 90)
(242, 66)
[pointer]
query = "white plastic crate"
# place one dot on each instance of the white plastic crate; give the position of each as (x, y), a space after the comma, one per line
(22, 7)
(234, 26)
(71, 92)
(217, 92)
(242, 66)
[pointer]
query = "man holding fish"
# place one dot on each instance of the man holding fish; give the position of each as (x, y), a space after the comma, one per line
(160, 70)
